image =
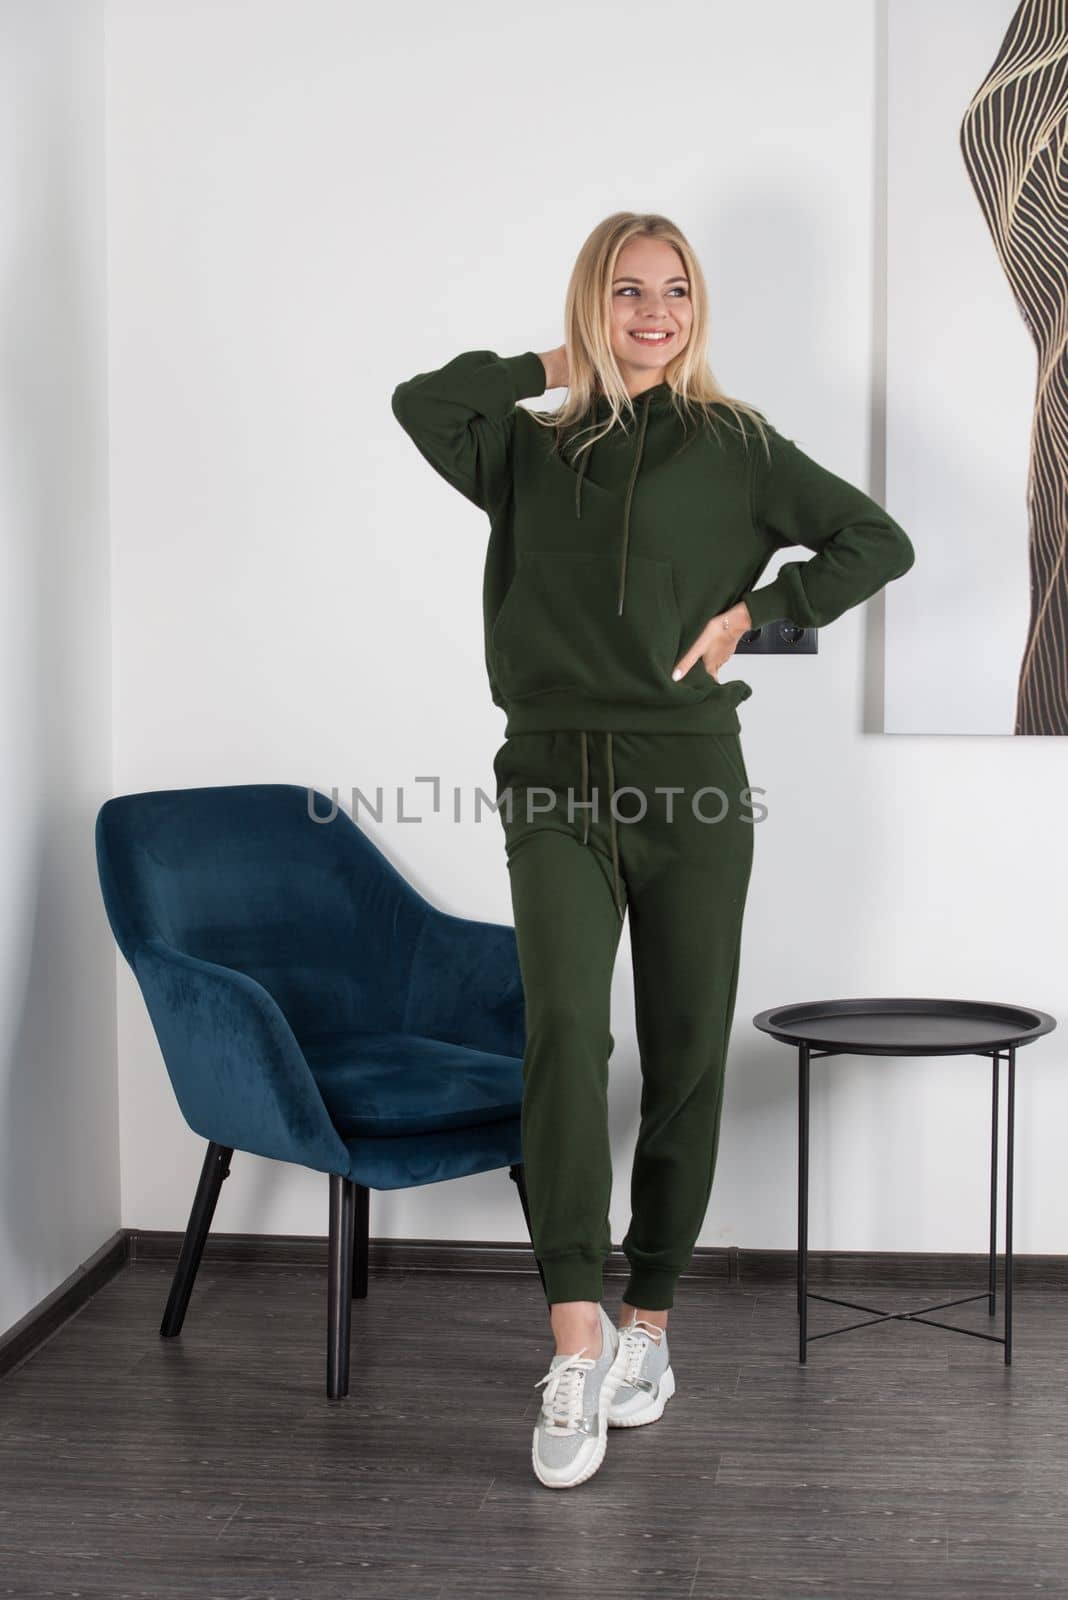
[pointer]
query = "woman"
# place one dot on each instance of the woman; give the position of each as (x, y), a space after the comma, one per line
(627, 533)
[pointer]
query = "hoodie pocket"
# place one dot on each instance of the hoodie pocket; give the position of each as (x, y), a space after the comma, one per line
(559, 628)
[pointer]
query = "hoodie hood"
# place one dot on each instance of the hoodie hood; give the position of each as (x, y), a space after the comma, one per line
(657, 398)
(650, 402)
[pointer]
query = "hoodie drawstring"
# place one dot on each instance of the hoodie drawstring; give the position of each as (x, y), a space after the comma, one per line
(634, 467)
(611, 812)
(584, 460)
(635, 464)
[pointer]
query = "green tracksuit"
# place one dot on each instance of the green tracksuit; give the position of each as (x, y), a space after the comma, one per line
(602, 568)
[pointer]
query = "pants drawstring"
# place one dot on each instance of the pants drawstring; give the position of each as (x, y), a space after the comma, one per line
(611, 812)
(612, 828)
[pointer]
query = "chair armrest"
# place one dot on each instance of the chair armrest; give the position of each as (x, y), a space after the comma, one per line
(465, 984)
(238, 1073)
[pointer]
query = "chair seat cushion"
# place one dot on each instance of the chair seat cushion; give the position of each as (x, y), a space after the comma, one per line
(385, 1084)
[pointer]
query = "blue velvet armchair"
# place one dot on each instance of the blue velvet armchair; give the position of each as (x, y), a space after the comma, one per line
(311, 1006)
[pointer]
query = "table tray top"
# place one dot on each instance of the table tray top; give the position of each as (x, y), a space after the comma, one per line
(905, 1027)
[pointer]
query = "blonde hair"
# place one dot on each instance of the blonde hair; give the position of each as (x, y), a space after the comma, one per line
(592, 368)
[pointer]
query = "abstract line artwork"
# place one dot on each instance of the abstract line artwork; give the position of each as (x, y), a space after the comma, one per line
(1014, 140)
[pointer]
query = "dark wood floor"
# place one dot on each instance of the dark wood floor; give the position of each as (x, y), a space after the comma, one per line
(901, 1461)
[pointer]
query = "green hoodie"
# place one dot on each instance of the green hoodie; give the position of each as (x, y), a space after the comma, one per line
(602, 571)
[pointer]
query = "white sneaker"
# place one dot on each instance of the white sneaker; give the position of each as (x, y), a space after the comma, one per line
(571, 1434)
(646, 1379)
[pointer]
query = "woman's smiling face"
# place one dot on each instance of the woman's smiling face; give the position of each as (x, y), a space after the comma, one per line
(651, 296)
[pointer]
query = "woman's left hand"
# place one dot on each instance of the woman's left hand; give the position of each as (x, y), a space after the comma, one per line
(717, 641)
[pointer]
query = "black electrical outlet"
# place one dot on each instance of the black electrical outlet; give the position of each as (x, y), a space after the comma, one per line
(780, 638)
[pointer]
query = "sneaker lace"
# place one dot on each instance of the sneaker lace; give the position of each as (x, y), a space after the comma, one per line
(564, 1385)
(636, 1338)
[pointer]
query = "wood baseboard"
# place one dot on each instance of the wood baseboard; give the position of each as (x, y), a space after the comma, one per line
(731, 1266)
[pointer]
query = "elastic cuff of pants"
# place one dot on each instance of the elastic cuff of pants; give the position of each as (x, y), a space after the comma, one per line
(573, 1278)
(648, 1289)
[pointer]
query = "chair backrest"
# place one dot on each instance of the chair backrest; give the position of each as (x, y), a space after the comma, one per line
(245, 876)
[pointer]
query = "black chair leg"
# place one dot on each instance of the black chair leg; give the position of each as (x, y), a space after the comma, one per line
(216, 1167)
(339, 1287)
(362, 1241)
(517, 1176)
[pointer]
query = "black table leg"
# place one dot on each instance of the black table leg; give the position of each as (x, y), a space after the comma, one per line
(802, 1195)
(993, 1280)
(1009, 1135)
(804, 1057)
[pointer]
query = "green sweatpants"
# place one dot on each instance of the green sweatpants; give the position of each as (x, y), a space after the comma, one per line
(598, 825)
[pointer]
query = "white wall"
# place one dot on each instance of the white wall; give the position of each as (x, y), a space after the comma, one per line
(310, 202)
(59, 1156)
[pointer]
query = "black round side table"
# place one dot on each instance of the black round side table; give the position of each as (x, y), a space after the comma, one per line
(903, 1027)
